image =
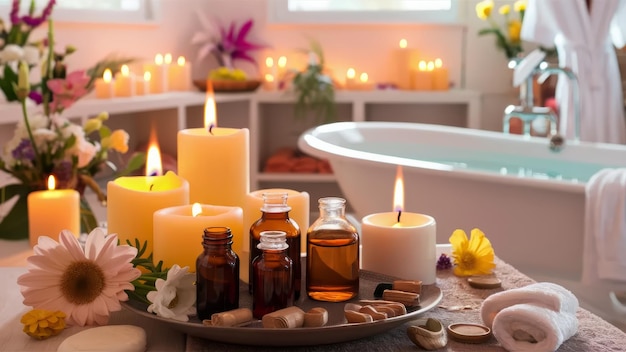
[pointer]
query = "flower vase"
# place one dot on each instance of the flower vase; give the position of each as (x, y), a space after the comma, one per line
(14, 220)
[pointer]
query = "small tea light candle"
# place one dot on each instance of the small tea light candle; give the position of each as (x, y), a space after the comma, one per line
(282, 67)
(104, 86)
(398, 243)
(269, 82)
(51, 211)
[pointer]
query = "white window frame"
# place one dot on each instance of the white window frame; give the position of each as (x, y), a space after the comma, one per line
(278, 12)
(149, 12)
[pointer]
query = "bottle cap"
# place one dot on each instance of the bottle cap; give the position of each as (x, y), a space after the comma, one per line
(276, 240)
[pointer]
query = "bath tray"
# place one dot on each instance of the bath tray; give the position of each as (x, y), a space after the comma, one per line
(334, 332)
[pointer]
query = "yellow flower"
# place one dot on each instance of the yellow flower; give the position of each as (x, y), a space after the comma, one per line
(504, 10)
(515, 27)
(484, 8)
(519, 6)
(41, 324)
(118, 140)
(474, 256)
(92, 125)
(103, 116)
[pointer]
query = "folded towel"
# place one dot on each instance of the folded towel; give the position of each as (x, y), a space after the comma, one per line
(537, 317)
(605, 227)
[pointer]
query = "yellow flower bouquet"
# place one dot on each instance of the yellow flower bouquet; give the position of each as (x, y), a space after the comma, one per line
(507, 35)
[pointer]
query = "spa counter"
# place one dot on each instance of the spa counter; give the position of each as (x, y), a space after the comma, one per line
(594, 333)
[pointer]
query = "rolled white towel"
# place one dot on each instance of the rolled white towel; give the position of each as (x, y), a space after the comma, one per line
(542, 294)
(538, 317)
(526, 327)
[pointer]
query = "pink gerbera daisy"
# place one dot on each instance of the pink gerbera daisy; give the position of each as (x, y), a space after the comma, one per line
(84, 284)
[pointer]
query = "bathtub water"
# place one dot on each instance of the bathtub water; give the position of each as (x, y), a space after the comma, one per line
(528, 200)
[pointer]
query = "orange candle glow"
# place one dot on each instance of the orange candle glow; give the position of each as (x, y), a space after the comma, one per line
(104, 86)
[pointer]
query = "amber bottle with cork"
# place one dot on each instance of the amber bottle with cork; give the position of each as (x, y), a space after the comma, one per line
(332, 264)
(275, 217)
(217, 273)
(273, 275)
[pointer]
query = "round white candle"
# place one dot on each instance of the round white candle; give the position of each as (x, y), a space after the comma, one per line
(51, 211)
(405, 249)
(132, 201)
(178, 234)
(124, 83)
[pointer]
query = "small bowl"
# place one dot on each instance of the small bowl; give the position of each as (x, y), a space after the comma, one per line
(228, 85)
(469, 333)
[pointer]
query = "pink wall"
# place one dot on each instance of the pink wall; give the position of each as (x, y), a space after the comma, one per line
(367, 48)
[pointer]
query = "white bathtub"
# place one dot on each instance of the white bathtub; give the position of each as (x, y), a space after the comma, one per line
(530, 203)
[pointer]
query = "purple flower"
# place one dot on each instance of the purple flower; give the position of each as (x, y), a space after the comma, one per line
(234, 42)
(35, 96)
(444, 262)
(31, 21)
(63, 171)
(24, 151)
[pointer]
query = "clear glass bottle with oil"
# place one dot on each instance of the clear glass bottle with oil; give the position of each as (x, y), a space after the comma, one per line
(332, 262)
(275, 217)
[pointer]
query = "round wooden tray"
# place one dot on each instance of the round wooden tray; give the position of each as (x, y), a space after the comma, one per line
(228, 85)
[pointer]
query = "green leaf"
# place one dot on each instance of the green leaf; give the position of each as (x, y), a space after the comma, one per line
(137, 161)
(15, 224)
(6, 83)
(104, 132)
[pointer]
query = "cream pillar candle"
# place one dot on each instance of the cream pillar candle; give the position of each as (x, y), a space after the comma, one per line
(179, 75)
(51, 211)
(142, 85)
(124, 83)
(440, 76)
(422, 78)
(403, 59)
(215, 161)
(350, 78)
(132, 201)
(400, 244)
(104, 86)
(158, 75)
(178, 231)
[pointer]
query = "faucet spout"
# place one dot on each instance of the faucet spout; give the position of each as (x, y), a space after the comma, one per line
(544, 73)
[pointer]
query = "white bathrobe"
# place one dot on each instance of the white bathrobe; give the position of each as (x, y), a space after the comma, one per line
(584, 41)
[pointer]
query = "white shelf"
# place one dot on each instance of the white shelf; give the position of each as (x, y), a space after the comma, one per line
(10, 113)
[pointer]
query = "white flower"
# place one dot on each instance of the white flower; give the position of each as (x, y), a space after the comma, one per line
(175, 297)
(31, 55)
(84, 284)
(11, 52)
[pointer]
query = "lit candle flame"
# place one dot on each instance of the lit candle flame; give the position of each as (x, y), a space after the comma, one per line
(210, 114)
(181, 61)
(403, 43)
(351, 73)
(51, 182)
(398, 192)
(430, 66)
(438, 63)
(167, 58)
(125, 70)
(147, 76)
(196, 209)
(269, 78)
(364, 77)
(107, 76)
(269, 62)
(422, 65)
(154, 165)
(158, 59)
(282, 61)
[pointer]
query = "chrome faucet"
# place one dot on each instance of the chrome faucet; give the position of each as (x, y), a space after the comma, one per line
(556, 140)
(527, 112)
